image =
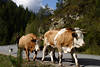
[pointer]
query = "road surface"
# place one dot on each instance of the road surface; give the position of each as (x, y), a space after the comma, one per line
(84, 59)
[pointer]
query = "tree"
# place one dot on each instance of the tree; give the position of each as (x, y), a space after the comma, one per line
(83, 14)
(59, 4)
(13, 19)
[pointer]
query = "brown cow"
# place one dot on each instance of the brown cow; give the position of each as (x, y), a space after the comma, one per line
(64, 40)
(29, 42)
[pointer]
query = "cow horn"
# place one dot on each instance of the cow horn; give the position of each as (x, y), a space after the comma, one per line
(76, 28)
(73, 32)
(84, 32)
(41, 37)
(82, 29)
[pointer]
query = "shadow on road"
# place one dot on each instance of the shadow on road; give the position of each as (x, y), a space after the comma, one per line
(89, 62)
(82, 61)
(46, 58)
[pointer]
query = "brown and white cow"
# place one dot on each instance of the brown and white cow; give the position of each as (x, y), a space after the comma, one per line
(65, 40)
(29, 42)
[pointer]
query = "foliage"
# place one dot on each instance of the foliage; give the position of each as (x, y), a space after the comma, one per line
(88, 14)
(36, 24)
(69, 13)
(5, 61)
(17, 20)
(13, 19)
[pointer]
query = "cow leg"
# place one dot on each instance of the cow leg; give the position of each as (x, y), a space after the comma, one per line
(60, 58)
(51, 55)
(27, 55)
(44, 49)
(72, 57)
(73, 50)
(75, 58)
(60, 55)
(35, 55)
(54, 55)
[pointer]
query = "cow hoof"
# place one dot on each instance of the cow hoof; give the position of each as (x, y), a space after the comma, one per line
(53, 61)
(33, 59)
(42, 59)
(78, 65)
(60, 64)
(28, 60)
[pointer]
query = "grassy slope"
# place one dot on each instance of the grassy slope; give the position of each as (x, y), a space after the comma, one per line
(9, 61)
(5, 61)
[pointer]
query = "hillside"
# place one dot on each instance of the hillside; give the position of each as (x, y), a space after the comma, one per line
(69, 13)
(83, 14)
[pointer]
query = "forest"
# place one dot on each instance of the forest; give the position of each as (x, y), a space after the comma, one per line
(85, 14)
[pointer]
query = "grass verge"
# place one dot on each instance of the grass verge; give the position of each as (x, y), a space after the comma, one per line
(10, 61)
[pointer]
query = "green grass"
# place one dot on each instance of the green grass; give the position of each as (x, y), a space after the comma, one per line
(5, 61)
(94, 50)
(9, 61)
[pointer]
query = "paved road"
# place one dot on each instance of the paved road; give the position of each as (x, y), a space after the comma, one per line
(84, 60)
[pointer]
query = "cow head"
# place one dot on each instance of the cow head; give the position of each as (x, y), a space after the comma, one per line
(79, 39)
(37, 45)
(36, 41)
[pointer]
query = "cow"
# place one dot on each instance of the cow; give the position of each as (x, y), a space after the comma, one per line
(66, 40)
(28, 43)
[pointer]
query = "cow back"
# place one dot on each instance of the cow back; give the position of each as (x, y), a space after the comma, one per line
(49, 36)
(27, 41)
(65, 39)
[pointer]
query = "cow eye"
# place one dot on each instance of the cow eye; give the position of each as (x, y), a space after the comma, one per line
(33, 40)
(74, 34)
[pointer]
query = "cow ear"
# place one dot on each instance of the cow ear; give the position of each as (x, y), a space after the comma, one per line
(84, 32)
(33, 40)
(74, 34)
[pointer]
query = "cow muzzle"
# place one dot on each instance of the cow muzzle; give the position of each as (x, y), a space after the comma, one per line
(37, 47)
(83, 44)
